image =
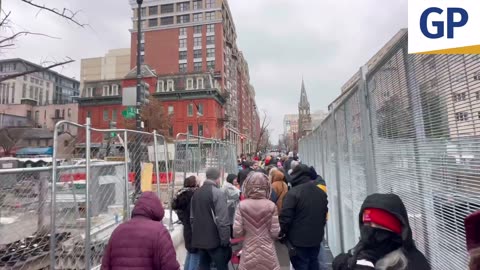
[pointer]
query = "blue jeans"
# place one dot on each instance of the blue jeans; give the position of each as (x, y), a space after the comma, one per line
(322, 258)
(192, 261)
(305, 258)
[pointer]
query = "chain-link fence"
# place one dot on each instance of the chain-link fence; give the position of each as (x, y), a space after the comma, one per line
(409, 124)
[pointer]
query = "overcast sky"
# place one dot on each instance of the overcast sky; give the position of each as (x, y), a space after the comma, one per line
(325, 41)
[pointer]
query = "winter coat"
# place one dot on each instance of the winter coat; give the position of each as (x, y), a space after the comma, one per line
(279, 186)
(304, 211)
(233, 198)
(256, 219)
(242, 175)
(142, 242)
(181, 205)
(394, 205)
(209, 217)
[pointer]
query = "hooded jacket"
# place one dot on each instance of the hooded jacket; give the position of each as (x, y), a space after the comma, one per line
(181, 205)
(394, 205)
(142, 243)
(279, 186)
(257, 220)
(233, 198)
(304, 210)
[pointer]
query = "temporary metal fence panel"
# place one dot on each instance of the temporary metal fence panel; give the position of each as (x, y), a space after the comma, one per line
(411, 128)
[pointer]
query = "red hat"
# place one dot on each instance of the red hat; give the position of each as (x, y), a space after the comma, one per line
(472, 230)
(383, 218)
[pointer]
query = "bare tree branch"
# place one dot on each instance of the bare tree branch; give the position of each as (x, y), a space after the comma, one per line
(11, 38)
(39, 69)
(263, 137)
(5, 19)
(66, 13)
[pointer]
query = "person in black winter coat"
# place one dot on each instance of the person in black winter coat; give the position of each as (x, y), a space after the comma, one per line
(385, 238)
(302, 219)
(181, 205)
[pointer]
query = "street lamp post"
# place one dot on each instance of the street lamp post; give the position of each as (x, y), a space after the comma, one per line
(138, 118)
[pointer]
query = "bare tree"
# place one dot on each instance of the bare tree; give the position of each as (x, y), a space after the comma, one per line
(154, 117)
(263, 140)
(8, 35)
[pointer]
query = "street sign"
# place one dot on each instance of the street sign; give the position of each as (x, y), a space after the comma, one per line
(129, 113)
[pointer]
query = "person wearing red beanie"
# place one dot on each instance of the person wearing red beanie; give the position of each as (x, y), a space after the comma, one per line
(472, 232)
(385, 238)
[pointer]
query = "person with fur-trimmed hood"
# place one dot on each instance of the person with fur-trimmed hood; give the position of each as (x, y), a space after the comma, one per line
(385, 238)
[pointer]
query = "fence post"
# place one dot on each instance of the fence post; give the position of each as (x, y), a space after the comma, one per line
(337, 178)
(367, 129)
(172, 192)
(126, 213)
(155, 152)
(87, 193)
(42, 199)
(53, 199)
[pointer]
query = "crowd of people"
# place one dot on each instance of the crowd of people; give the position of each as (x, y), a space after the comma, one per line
(271, 202)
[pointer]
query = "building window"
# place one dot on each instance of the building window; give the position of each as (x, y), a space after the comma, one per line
(197, 66)
(189, 84)
(197, 17)
(105, 115)
(210, 16)
(182, 43)
(210, 3)
(197, 5)
(183, 19)
(197, 42)
(185, 6)
(211, 40)
(183, 31)
(182, 55)
(106, 90)
(170, 110)
(477, 94)
(89, 92)
(13, 93)
(459, 78)
(211, 65)
(200, 130)
(115, 90)
(210, 52)
(199, 83)
(153, 10)
(89, 114)
(190, 129)
(170, 85)
(197, 54)
(460, 97)
(211, 28)
(69, 113)
(166, 20)
(166, 8)
(153, 22)
(143, 11)
(114, 115)
(461, 116)
(160, 86)
(476, 77)
(47, 84)
(182, 68)
(197, 29)
(200, 109)
(24, 90)
(190, 109)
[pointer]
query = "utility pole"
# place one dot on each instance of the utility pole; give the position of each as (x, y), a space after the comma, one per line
(138, 119)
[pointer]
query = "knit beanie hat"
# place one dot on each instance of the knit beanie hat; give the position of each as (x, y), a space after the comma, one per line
(382, 218)
(472, 230)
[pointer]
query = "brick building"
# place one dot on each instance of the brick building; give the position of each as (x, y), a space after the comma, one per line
(191, 45)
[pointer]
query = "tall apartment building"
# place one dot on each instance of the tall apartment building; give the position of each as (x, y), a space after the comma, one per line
(191, 46)
(43, 97)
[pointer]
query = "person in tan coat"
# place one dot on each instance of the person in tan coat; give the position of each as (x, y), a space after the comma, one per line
(279, 185)
(256, 219)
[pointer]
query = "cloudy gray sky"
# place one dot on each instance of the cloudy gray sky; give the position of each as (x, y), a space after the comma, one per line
(325, 41)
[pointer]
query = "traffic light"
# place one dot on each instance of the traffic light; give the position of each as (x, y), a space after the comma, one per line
(113, 125)
(144, 93)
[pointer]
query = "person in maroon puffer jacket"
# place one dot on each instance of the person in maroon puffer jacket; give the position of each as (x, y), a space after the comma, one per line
(142, 242)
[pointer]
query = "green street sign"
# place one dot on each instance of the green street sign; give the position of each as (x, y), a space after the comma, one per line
(129, 113)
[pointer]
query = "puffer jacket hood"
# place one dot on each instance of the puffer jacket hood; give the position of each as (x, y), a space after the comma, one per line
(257, 186)
(300, 175)
(277, 176)
(149, 206)
(394, 205)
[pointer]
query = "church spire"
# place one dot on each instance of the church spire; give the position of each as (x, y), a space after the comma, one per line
(303, 97)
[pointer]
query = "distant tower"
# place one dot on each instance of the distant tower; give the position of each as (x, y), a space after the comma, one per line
(304, 119)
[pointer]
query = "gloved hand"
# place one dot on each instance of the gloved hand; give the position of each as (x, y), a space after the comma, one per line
(375, 243)
(225, 243)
